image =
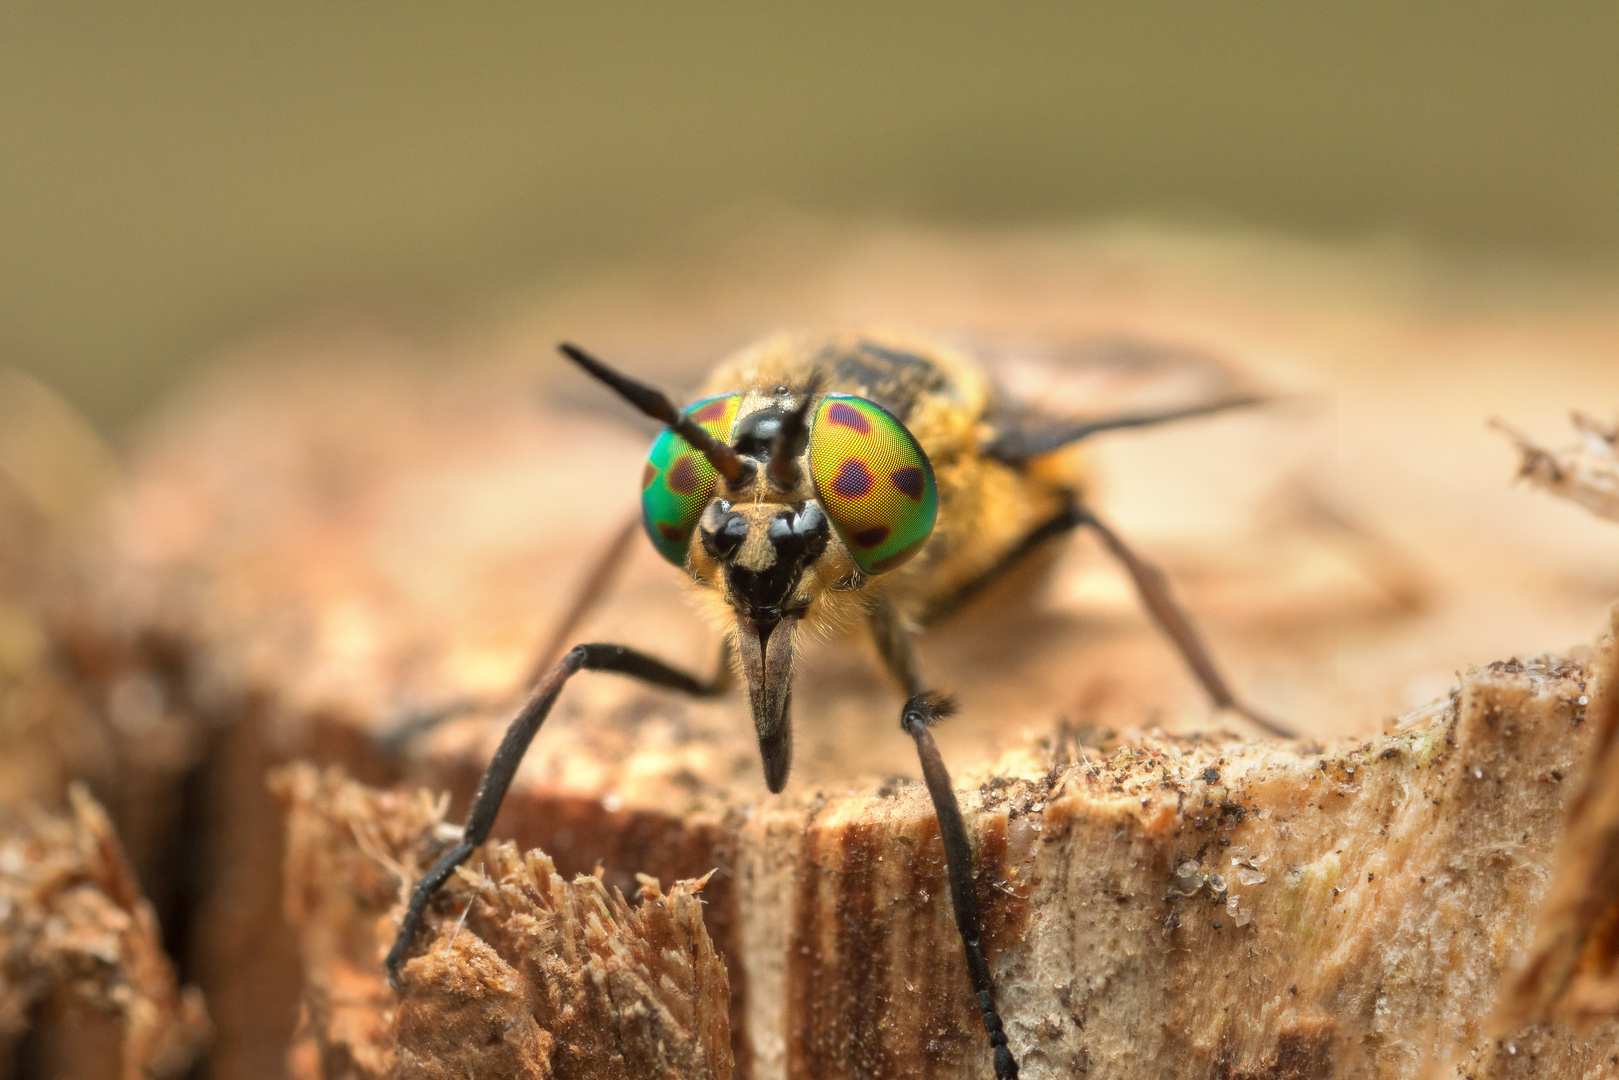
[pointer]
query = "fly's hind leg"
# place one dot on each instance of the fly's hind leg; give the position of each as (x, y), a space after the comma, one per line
(1059, 524)
(602, 574)
(921, 712)
(1019, 443)
(1153, 588)
(1150, 584)
(503, 766)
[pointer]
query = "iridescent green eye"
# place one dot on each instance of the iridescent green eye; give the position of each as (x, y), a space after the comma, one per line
(874, 480)
(677, 480)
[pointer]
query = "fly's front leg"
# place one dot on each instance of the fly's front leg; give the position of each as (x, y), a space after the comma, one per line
(503, 766)
(894, 647)
(920, 713)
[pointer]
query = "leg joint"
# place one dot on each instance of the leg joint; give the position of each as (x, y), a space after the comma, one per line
(594, 657)
(924, 710)
(620, 660)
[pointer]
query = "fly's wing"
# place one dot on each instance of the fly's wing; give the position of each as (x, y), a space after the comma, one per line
(1048, 393)
(1051, 395)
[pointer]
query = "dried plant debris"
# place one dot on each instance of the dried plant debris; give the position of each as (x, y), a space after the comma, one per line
(75, 934)
(1570, 975)
(518, 973)
(1586, 472)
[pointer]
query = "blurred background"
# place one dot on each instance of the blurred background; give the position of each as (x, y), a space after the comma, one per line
(177, 176)
(372, 221)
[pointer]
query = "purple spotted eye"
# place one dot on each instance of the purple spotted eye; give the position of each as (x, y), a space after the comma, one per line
(874, 481)
(677, 480)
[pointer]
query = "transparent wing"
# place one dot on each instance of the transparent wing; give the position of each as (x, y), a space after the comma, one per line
(1051, 394)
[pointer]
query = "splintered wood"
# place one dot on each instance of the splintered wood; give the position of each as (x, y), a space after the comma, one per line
(1572, 971)
(76, 937)
(522, 974)
(1570, 974)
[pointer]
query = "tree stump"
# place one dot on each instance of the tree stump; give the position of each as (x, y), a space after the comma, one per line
(1203, 905)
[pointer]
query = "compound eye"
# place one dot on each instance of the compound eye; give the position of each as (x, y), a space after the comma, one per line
(677, 480)
(874, 481)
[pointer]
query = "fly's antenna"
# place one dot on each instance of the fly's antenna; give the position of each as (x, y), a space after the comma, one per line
(790, 440)
(726, 461)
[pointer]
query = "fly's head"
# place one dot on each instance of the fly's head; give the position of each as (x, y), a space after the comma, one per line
(837, 491)
(762, 544)
(775, 505)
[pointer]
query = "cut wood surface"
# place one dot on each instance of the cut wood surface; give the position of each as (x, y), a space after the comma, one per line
(351, 529)
(80, 702)
(87, 987)
(1173, 906)
(1571, 973)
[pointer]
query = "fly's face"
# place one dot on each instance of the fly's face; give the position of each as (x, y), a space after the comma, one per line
(758, 552)
(835, 491)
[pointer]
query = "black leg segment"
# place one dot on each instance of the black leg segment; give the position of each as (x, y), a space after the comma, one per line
(503, 767)
(595, 586)
(894, 647)
(1154, 591)
(1061, 523)
(1150, 585)
(919, 713)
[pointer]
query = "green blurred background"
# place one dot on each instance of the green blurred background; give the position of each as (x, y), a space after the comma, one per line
(175, 175)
